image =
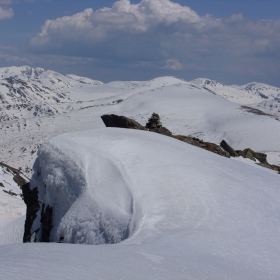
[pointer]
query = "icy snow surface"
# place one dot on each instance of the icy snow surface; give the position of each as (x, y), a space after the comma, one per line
(12, 209)
(191, 214)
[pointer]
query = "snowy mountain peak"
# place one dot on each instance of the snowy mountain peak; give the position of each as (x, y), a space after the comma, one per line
(84, 80)
(206, 82)
(24, 72)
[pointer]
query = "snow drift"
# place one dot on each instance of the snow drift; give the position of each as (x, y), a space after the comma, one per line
(180, 212)
(106, 185)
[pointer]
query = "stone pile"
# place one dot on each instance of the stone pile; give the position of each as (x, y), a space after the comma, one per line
(154, 125)
(154, 122)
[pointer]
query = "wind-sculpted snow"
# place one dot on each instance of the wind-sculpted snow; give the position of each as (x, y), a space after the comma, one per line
(87, 188)
(191, 214)
(113, 182)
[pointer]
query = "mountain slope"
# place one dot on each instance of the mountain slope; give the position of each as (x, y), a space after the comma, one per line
(185, 109)
(261, 96)
(190, 214)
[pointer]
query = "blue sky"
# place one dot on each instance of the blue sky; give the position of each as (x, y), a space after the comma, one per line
(229, 41)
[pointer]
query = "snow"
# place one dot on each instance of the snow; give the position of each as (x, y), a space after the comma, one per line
(12, 232)
(191, 214)
(173, 211)
(11, 207)
(184, 109)
(257, 95)
(59, 104)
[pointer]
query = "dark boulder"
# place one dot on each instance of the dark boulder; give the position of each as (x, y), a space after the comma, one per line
(121, 121)
(261, 157)
(228, 148)
(30, 197)
(46, 223)
(19, 180)
(248, 153)
(162, 130)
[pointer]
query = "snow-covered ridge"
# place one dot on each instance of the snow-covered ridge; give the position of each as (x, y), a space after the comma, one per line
(176, 208)
(110, 184)
(27, 92)
(36, 107)
(258, 95)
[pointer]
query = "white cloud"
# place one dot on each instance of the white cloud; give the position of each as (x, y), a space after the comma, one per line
(154, 31)
(173, 64)
(6, 13)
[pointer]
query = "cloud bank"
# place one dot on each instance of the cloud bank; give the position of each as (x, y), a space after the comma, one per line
(163, 34)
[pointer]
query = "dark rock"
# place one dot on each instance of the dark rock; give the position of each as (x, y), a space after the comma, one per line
(19, 180)
(154, 125)
(228, 148)
(261, 157)
(239, 152)
(154, 122)
(46, 223)
(248, 153)
(30, 197)
(211, 147)
(121, 121)
(10, 192)
(162, 130)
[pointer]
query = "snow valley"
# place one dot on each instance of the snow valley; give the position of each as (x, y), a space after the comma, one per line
(172, 210)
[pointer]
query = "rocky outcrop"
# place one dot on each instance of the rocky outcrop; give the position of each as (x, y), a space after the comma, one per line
(250, 154)
(211, 147)
(121, 121)
(17, 175)
(228, 148)
(30, 197)
(154, 124)
(46, 223)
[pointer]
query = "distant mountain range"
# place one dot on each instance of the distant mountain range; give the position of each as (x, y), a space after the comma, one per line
(26, 92)
(37, 104)
(258, 95)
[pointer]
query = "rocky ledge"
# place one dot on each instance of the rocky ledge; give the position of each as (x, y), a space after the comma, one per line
(154, 125)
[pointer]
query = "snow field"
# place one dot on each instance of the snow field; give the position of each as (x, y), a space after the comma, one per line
(191, 214)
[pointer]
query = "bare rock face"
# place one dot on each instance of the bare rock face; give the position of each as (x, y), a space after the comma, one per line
(121, 121)
(30, 197)
(46, 223)
(36, 231)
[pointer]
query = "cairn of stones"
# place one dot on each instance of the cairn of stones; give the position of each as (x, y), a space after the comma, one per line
(154, 122)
